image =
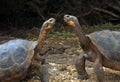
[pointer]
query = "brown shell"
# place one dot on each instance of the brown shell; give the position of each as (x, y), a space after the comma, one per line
(15, 58)
(108, 42)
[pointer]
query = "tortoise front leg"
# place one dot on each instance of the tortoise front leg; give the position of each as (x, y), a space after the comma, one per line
(41, 71)
(80, 67)
(98, 69)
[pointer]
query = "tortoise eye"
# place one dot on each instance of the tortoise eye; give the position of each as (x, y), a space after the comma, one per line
(51, 20)
(67, 16)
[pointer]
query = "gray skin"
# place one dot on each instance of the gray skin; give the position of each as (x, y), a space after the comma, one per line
(19, 57)
(102, 48)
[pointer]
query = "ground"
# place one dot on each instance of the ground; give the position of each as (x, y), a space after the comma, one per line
(62, 67)
(60, 51)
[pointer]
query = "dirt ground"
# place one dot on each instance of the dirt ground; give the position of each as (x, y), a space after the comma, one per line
(60, 53)
(62, 67)
(61, 58)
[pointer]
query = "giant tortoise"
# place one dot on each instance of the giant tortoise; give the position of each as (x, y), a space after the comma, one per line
(20, 57)
(102, 48)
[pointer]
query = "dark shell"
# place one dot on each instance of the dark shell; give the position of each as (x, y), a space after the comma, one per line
(108, 42)
(15, 57)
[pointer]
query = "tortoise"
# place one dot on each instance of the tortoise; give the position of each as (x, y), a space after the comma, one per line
(19, 57)
(100, 47)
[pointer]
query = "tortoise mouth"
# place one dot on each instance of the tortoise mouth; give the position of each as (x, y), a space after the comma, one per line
(49, 27)
(65, 20)
(69, 22)
(50, 23)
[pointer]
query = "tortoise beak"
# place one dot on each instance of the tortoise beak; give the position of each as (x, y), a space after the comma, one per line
(52, 20)
(49, 27)
(68, 21)
(51, 23)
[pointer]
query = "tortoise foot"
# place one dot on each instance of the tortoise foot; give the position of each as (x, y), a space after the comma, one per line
(83, 77)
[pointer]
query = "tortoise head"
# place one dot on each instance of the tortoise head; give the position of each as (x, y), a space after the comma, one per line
(48, 24)
(71, 20)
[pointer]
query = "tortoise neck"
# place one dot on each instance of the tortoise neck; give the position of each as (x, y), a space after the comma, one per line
(41, 39)
(84, 41)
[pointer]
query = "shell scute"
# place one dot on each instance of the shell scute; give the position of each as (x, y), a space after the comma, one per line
(15, 58)
(108, 43)
(14, 51)
(20, 54)
(6, 63)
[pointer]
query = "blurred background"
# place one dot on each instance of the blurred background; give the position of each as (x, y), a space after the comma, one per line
(32, 13)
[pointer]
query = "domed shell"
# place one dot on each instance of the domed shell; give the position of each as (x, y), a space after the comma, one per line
(108, 42)
(15, 57)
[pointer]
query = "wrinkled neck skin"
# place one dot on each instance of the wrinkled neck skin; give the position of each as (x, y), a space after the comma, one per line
(84, 41)
(86, 44)
(41, 40)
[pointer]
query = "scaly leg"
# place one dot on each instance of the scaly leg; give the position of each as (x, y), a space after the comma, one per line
(80, 67)
(98, 69)
(41, 71)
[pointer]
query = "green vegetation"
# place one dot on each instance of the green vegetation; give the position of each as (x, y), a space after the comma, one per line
(108, 26)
